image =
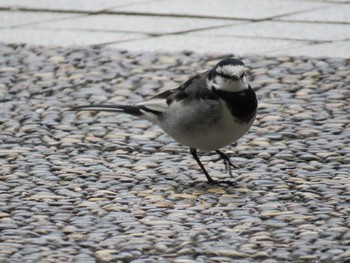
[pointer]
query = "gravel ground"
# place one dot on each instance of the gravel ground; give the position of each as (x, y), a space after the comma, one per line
(85, 187)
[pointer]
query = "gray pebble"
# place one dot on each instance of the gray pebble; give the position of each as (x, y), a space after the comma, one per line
(87, 187)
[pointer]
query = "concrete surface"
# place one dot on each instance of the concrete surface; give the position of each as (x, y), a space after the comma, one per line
(269, 27)
(136, 23)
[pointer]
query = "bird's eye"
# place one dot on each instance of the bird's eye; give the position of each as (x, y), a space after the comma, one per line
(243, 76)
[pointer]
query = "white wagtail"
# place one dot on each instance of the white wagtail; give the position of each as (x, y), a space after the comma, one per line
(207, 112)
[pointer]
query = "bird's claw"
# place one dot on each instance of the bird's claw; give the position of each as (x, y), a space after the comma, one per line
(226, 160)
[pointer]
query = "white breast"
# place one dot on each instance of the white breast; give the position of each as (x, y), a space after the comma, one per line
(192, 126)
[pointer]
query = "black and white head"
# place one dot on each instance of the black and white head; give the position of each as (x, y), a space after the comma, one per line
(228, 75)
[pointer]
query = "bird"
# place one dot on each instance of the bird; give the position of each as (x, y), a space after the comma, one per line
(207, 112)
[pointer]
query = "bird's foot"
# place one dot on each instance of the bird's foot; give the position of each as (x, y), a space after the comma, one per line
(221, 183)
(226, 160)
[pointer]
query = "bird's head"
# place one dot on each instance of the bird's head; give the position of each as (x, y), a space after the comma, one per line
(228, 75)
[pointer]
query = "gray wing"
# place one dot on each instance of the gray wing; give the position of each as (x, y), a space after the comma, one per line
(193, 89)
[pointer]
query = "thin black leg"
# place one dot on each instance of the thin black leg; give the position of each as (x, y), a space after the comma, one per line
(193, 151)
(227, 161)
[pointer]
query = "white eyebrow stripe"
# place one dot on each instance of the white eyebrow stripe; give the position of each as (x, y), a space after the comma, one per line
(231, 70)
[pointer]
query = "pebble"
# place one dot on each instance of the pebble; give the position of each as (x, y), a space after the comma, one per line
(106, 255)
(110, 188)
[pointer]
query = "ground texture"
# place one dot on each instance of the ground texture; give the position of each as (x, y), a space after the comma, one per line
(85, 187)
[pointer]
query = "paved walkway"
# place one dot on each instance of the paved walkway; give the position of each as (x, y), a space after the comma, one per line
(271, 27)
(86, 188)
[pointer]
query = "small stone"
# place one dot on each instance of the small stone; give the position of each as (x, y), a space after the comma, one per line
(160, 247)
(309, 157)
(69, 229)
(231, 253)
(2, 215)
(106, 255)
(264, 155)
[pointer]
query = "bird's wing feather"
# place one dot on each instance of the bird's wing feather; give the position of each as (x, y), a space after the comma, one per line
(158, 102)
(192, 89)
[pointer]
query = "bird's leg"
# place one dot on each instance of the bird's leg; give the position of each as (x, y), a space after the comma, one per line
(193, 151)
(227, 161)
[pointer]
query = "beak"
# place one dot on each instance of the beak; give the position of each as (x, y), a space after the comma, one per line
(234, 78)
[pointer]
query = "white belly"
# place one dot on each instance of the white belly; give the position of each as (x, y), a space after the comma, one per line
(215, 138)
(206, 134)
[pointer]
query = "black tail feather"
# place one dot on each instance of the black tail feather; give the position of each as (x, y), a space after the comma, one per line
(133, 110)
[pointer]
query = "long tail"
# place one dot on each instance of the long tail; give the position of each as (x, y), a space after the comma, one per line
(135, 110)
